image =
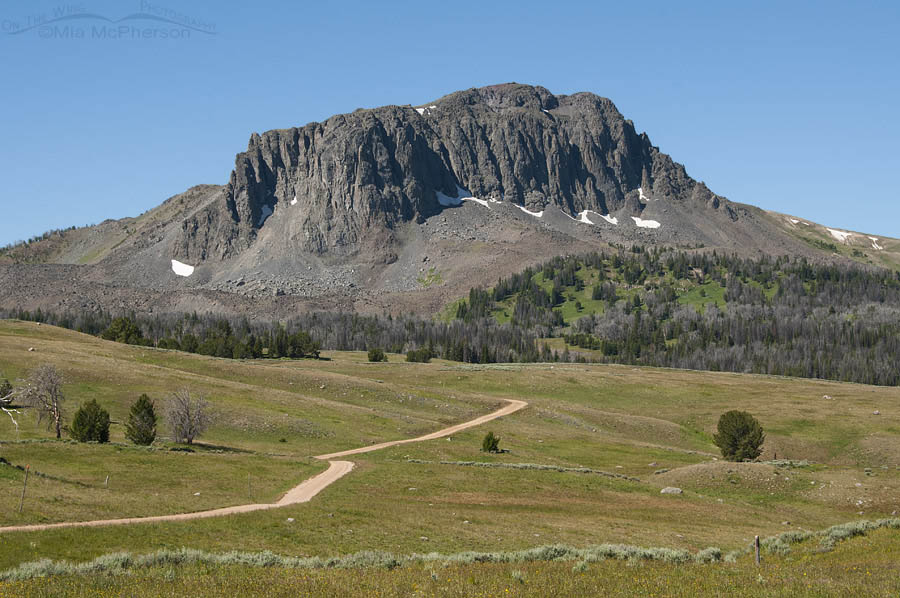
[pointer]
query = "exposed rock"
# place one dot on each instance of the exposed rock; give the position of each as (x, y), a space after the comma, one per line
(671, 490)
(356, 177)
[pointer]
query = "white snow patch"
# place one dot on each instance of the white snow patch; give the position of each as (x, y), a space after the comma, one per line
(294, 201)
(839, 234)
(875, 244)
(641, 195)
(461, 196)
(547, 111)
(181, 269)
(420, 110)
(805, 223)
(583, 217)
(611, 219)
(529, 212)
(640, 222)
(483, 202)
(425, 110)
(266, 212)
(446, 200)
(794, 221)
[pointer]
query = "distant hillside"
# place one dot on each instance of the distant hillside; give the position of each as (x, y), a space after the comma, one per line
(704, 311)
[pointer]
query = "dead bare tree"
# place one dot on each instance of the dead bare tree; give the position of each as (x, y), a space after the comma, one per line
(188, 415)
(42, 392)
(6, 392)
(6, 398)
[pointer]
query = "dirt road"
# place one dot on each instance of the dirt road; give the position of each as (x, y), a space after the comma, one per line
(304, 492)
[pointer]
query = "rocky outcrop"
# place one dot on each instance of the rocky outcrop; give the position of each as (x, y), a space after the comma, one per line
(346, 183)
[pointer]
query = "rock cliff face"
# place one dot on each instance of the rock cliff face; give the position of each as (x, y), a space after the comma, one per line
(347, 183)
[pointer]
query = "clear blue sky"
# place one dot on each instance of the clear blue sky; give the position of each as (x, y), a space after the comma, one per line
(789, 105)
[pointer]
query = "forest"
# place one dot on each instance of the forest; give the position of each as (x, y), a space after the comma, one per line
(635, 305)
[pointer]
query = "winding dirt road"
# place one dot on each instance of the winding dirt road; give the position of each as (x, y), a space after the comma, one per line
(298, 494)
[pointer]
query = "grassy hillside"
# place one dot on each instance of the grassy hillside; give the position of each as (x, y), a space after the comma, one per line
(622, 420)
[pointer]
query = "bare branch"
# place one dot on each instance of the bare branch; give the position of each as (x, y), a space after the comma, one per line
(188, 415)
(42, 392)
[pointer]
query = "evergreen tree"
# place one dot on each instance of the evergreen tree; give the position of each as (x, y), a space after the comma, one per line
(740, 436)
(376, 354)
(90, 423)
(141, 426)
(490, 443)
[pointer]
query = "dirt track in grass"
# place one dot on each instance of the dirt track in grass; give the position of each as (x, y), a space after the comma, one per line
(304, 492)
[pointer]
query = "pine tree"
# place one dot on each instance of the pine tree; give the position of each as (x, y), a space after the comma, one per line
(740, 436)
(141, 426)
(90, 423)
(491, 443)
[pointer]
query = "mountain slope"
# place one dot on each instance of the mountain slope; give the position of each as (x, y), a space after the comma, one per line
(398, 208)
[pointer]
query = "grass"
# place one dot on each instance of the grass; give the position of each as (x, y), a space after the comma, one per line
(69, 480)
(430, 277)
(701, 295)
(863, 565)
(622, 420)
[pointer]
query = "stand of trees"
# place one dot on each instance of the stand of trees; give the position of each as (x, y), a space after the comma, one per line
(481, 341)
(776, 316)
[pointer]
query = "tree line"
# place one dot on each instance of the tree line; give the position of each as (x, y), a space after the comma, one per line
(776, 315)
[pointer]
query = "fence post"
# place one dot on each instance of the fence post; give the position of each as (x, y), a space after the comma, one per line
(756, 548)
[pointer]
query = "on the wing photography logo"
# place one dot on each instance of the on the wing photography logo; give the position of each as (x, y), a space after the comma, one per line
(78, 22)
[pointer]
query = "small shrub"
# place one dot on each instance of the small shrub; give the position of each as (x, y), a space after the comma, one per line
(491, 443)
(709, 555)
(419, 355)
(376, 354)
(90, 423)
(141, 426)
(739, 436)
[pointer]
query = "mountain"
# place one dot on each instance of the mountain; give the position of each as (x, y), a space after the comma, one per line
(402, 208)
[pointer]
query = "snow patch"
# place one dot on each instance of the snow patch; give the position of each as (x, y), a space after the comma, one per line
(424, 110)
(447, 201)
(420, 110)
(839, 234)
(294, 201)
(583, 217)
(461, 196)
(265, 213)
(483, 202)
(875, 244)
(529, 212)
(643, 197)
(611, 219)
(181, 269)
(640, 222)
(794, 221)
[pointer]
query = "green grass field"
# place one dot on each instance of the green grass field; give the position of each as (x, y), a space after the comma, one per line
(271, 416)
